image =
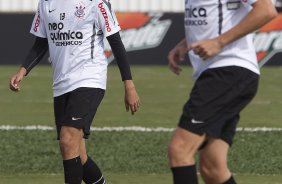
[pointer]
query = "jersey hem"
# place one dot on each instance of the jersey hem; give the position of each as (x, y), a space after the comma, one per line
(38, 35)
(113, 32)
(56, 93)
(248, 66)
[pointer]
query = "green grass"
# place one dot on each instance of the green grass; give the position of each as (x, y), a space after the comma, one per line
(132, 179)
(33, 156)
(162, 94)
(131, 152)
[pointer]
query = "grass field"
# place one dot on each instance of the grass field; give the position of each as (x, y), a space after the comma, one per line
(135, 157)
(130, 178)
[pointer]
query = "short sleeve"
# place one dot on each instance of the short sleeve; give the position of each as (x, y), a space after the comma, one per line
(37, 27)
(249, 2)
(106, 18)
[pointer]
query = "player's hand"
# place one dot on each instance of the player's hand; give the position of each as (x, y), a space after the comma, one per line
(16, 79)
(176, 56)
(206, 49)
(131, 98)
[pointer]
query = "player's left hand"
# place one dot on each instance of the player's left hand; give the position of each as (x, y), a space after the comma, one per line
(131, 98)
(206, 49)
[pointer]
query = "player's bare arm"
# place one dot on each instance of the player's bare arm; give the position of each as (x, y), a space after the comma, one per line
(34, 56)
(263, 11)
(177, 55)
(131, 98)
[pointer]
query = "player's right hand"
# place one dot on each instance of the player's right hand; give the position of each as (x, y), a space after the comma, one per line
(16, 79)
(176, 56)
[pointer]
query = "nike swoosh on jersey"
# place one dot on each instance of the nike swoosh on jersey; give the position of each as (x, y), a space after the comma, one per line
(50, 11)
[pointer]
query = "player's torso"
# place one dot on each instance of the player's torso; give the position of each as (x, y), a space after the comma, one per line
(75, 44)
(207, 19)
(68, 23)
(210, 18)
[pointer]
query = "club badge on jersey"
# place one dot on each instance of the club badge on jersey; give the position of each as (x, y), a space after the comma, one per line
(80, 11)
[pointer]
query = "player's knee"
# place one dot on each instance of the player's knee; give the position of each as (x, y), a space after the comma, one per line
(209, 175)
(68, 141)
(65, 141)
(70, 137)
(180, 154)
(205, 171)
(213, 173)
(69, 147)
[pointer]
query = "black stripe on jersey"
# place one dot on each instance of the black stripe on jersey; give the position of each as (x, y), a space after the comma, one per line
(110, 8)
(108, 4)
(92, 41)
(220, 17)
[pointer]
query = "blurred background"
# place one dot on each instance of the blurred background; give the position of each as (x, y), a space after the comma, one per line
(120, 5)
(150, 27)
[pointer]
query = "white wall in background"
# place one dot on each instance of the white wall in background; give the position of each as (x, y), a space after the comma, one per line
(119, 5)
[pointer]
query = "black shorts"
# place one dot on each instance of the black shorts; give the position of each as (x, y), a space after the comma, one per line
(217, 98)
(77, 109)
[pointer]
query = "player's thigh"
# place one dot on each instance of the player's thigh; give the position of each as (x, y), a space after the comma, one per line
(186, 142)
(214, 154)
(71, 134)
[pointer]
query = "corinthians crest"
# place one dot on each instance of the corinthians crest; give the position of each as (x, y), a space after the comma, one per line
(80, 11)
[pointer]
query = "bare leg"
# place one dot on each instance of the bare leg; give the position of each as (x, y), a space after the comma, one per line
(213, 162)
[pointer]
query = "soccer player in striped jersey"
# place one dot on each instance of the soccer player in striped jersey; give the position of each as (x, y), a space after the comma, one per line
(219, 43)
(73, 32)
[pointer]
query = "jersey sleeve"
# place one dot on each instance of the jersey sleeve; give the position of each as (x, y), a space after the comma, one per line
(107, 20)
(37, 27)
(248, 2)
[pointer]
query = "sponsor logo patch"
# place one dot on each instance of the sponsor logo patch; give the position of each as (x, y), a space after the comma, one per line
(195, 16)
(61, 37)
(37, 22)
(105, 15)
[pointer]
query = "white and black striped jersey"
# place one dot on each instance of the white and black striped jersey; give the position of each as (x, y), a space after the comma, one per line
(75, 31)
(207, 19)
